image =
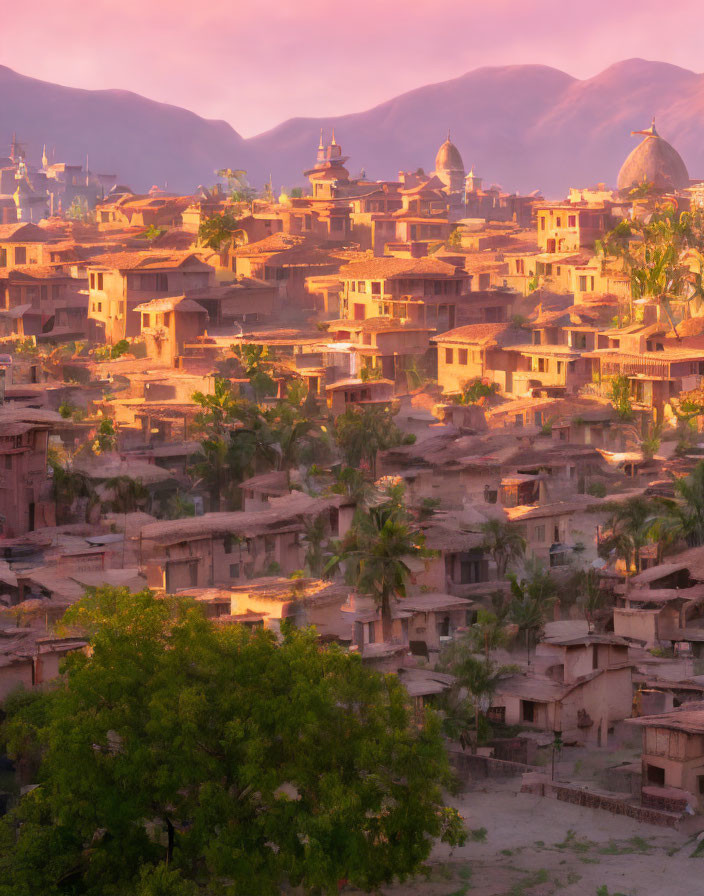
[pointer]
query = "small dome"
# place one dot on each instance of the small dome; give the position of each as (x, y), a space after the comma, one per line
(654, 161)
(448, 157)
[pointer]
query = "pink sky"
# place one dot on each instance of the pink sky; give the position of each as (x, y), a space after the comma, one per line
(257, 63)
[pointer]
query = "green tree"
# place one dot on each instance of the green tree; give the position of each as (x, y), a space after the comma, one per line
(683, 518)
(488, 632)
(238, 185)
(620, 397)
(362, 432)
(480, 678)
(476, 391)
(181, 754)
(628, 530)
(590, 595)
(257, 363)
(217, 229)
(531, 598)
(375, 552)
(504, 541)
(105, 437)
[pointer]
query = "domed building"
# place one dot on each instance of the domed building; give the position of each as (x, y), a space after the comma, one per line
(449, 167)
(655, 162)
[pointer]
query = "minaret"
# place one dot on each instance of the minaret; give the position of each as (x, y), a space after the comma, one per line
(45, 159)
(321, 150)
(335, 149)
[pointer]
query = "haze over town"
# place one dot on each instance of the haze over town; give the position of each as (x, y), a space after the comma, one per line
(351, 449)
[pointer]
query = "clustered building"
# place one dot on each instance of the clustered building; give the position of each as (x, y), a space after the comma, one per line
(504, 334)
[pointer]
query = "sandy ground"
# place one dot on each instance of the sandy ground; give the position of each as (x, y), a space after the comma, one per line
(539, 847)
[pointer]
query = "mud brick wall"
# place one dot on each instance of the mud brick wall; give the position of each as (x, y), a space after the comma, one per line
(613, 804)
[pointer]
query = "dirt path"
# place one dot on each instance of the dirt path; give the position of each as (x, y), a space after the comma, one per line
(539, 847)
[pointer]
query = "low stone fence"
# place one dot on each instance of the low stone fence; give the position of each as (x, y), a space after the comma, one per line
(615, 803)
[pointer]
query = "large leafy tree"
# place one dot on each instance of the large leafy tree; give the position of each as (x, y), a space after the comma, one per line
(257, 363)
(217, 229)
(361, 432)
(182, 757)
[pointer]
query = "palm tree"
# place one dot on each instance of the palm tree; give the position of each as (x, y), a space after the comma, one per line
(480, 678)
(375, 551)
(591, 596)
(531, 598)
(488, 632)
(505, 543)
(220, 409)
(683, 518)
(628, 530)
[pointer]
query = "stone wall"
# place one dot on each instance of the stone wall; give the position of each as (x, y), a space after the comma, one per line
(615, 803)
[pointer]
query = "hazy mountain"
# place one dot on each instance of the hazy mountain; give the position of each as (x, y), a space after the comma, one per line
(142, 141)
(524, 127)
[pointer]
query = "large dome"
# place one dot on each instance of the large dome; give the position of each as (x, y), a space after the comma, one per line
(654, 161)
(448, 157)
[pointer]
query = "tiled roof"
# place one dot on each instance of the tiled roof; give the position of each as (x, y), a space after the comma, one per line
(481, 334)
(385, 268)
(128, 261)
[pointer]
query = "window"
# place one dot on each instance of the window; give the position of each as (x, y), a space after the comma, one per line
(162, 283)
(655, 775)
(8, 461)
(559, 366)
(582, 284)
(542, 223)
(376, 289)
(20, 255)
(556, 533)
(361, 286)
(234, 570)
(449, 357)
(470, 572)
(92, 281)
(527, 711)
(462, 356)
(99, 281)
(490, 494)
(572, 221)
(539, 534)
(497, 714)
(558, 222)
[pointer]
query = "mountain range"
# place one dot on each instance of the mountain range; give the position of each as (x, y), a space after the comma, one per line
(524, 127)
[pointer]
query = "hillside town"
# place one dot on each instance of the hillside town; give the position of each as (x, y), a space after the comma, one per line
(454, 432)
